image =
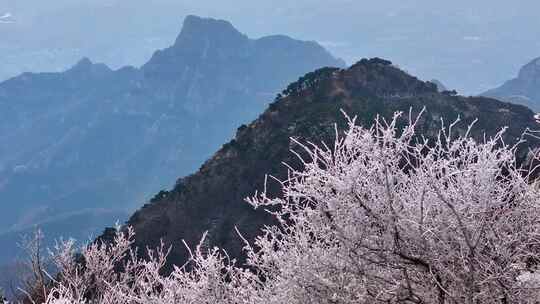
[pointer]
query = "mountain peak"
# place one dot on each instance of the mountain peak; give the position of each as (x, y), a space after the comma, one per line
(193, 21)
(84, 63)
(195, 28)
(525, 89)
(530, 70)
(383, 78)
(375, 76)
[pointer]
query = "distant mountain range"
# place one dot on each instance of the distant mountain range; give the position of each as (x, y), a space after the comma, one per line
(524, 89)
(212, 199)
(84, 146)
(468, 47)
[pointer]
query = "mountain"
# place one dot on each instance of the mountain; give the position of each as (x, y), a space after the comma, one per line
(93, 142)
(212, 199)
(473, 48)
(440, 86)
(525, 89)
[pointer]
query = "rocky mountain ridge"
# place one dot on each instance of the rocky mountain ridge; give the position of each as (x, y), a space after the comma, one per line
(212, 199)
(524, 89)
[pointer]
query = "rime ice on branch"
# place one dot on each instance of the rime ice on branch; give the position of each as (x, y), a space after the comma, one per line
(382, 216)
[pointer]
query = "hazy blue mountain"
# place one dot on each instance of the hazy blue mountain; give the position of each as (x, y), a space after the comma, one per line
(524, 89)
(472, 46)
(99, 141)
(440, 86)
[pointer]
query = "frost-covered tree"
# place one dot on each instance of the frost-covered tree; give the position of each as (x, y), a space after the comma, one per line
(388, 216)
(382, 216)
(33, 269)
(115, 274)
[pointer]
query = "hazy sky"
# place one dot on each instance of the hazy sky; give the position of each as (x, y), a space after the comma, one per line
(468, 45)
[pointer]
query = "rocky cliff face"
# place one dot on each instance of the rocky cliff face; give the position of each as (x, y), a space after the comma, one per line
(212, 199)
(525, 89)
(94, 138)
